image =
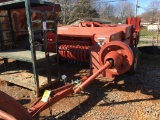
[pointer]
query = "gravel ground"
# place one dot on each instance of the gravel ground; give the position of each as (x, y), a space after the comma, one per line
(133, 97)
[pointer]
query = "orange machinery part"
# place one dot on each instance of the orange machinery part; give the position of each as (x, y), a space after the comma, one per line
(101, 38)
(10, 108)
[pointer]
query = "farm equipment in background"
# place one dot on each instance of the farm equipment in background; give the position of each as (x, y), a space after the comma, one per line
(110, 49)
(19, 23)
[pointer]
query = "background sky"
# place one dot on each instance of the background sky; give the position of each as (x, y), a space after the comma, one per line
(142, 3)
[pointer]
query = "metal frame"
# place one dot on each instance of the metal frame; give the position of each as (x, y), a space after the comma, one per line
(28, 4)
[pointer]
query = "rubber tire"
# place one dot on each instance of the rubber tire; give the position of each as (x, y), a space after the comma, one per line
(134, 66)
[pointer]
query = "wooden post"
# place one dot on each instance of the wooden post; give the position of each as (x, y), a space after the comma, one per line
(157, 32)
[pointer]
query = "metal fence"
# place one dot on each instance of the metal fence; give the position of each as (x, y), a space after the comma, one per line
(150, 34)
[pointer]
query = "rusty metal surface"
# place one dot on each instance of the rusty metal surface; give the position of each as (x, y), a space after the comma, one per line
(19, 19)
(39, 106)
(12, 107)
(126, 57)
(90, 31)
(74, 52)
(92, 77)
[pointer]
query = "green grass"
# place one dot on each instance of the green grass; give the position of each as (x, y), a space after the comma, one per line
(145, 32)
(148, 37)
(143, 42)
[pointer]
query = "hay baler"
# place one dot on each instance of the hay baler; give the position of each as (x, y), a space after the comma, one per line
(97, 43)
(110, 49)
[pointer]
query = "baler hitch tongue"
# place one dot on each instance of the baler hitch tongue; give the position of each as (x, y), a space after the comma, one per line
(63, 91)
(92, 77)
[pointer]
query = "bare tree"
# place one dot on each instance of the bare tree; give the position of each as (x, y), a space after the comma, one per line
(154, 4)
(83, 9)
(154, 11)
(123, 10)
(75, 9)
(66, 8)
(108, 12)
